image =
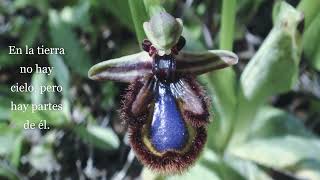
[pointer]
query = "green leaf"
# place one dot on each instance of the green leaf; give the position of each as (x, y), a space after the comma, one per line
(5, 101)
(109, 96)
(222, 87)
(62, 36)
(222, 84)
(120, 9)
(77, 15)
(8, 135)
(218, 165)
(61, 73)
(6, 173)
(208, 166)
(16, 153)
(311, 45)
(37, 81)
(192, 31)
(39, 4)
(272, 122)
(103, 138)
(279, 152)
(4, 110)
(198, 171)
(274, 68)
(139, 16)
(310, 9)
(7, 60)
(147, 174)
(30, 32)
(53, 118)
(309, 169)
(247, 169)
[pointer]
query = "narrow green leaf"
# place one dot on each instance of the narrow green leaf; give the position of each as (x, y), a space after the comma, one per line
(61, 73)
(16, 153)
(309, 169)
(7, 139)
(311, 45)
(310, 9)
(147, 174)
(222, 84)
(218, 165)
(279, 152)
(120, 9)
(77, 15)
(103, 138)
(198, 171)
(62, 36)
(222, 87)
(246, 168)
(6, 173)
(43, 6)
(37, 81)
(31, 32)
(139, 16)
(53, 118)
(7, 60)
(273, 122)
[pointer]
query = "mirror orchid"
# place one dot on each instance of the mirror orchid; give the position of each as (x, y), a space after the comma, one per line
(165, 108)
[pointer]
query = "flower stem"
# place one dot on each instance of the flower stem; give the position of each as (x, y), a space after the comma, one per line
(223, 82)
(227, 24)
(139, 16)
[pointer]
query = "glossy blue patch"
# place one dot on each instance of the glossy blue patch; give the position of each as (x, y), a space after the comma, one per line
(168, 130)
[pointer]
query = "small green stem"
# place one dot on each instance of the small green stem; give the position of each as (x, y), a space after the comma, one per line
(226, 77)
(227, 24)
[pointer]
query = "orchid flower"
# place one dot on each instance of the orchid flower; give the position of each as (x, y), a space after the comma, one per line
(165, 108)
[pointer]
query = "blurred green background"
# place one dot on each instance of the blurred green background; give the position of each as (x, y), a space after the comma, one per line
(266, 109)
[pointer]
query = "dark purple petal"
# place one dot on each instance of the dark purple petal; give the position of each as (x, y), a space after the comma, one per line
(123, 69)
(143, 98)
(202, 62)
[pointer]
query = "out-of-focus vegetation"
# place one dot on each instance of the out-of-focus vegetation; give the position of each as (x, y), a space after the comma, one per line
(266, 110)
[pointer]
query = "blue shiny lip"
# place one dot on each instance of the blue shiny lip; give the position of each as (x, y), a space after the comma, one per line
(168, 129)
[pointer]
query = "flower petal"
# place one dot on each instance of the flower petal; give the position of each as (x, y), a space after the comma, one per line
(123, 69)
(202, 62)
(141, 130)
(168, 130)
(192, 100)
